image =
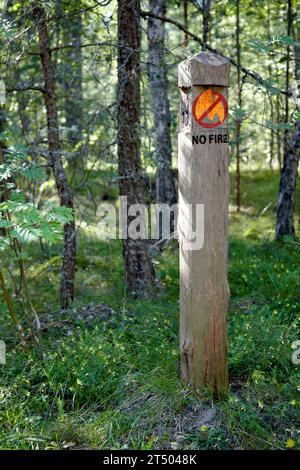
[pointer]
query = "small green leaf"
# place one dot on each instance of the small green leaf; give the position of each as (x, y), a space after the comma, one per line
(285, 39)
(259, 45)
(276, 126)
(283, 59)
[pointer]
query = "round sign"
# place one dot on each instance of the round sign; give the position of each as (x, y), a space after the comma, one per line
(210, 109)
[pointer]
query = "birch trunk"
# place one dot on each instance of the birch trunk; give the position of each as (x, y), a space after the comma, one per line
(165, 187)
(72, 84)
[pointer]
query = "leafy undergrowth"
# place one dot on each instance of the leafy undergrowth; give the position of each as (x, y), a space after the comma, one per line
(110, 378)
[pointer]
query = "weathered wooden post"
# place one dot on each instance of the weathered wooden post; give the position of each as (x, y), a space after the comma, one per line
(203, 180)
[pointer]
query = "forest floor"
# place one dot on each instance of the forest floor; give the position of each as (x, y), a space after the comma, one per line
(110, 378)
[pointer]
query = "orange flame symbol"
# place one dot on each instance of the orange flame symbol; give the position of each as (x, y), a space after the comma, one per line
(206, 101)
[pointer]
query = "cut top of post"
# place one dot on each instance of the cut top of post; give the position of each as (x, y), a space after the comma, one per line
(204, 68)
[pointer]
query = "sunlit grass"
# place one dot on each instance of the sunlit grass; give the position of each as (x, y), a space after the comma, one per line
(114, 382)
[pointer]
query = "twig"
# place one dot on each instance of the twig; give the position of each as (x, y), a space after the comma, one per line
(11, 309)
(26, 88)
(72, 46)
(54, 324)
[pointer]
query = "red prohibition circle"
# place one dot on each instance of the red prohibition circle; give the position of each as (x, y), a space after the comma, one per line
(220, 99)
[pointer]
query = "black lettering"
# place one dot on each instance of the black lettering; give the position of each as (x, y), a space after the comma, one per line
(195, 139)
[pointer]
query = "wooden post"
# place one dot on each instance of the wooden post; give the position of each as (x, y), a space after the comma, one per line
(204, 180)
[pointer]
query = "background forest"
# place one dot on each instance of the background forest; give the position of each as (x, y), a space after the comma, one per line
(91, 327)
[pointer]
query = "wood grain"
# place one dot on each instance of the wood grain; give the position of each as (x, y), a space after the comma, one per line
(203, 179)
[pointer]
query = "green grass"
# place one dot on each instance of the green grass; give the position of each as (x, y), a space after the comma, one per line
(114, 382)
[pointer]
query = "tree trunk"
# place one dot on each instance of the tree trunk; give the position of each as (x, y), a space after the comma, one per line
(55, 160)
(165, 187)
(138, 266)
(21, 98)
(3, 125)
(272, 132)
(288, 177)
(287, 73)
(287, 187)
(22, 102)
(3, 186)
(271, 100)
(72, 83)
(185, 20)
(278, 133)
(238, 119)
(206, 20)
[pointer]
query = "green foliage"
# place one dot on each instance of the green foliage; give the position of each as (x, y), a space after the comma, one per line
(266, 46)
(21, 223)
(114, 382)
(22, 219)
(259, 46)
(238, 113)
(275, 126)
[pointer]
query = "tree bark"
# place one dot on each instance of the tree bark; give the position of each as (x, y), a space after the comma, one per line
(72, 84)
(22, 102)
(204, 7)
(139, 271)
(185, 21)
(287, 187)
(165, 187)
(287, 73)
(3, 186)
(278, 134)
(271, 98)
(206, 20)
(272, 132)
(55, 160)
(238, 119)
(21, 98)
